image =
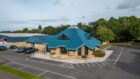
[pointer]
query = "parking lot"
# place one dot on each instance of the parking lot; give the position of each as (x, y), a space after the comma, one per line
(124, 63)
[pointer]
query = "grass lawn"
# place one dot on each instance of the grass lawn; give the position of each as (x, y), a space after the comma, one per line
(18, 73)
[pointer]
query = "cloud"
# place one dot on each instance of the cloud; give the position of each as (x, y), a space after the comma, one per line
(129, 4)
(63, 19)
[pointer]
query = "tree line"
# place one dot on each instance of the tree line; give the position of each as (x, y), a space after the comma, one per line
(126, 28)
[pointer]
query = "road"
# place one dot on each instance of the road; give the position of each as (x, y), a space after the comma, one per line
(124, 63)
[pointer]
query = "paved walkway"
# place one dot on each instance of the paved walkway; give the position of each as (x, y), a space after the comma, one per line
(74, 61)
(4, 75)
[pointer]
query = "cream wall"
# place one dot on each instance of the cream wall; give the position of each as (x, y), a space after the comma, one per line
(41, 47)
(20, 44)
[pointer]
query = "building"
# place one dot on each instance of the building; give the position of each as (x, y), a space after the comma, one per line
(72, 42)
(17, 39)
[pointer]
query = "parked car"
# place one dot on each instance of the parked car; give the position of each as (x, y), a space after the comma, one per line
(20, 50)
(30, 50)
(3, 48)
(13, 47)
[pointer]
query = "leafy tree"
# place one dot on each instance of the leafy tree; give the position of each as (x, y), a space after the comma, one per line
(49, 30)
(61, 28)
(34, 31)
(105, 34)
(40, 28)
(25, 30)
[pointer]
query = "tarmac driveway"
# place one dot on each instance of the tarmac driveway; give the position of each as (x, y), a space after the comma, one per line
(4, 75)
(124, 63)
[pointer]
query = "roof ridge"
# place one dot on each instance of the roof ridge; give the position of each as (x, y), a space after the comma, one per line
(79, 35)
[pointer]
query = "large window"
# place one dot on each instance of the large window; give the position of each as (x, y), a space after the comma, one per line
(63, 50)
(63, 37)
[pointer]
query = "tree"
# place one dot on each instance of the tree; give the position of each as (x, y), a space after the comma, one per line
(34, 31)
(40, 28)
(61, 28)
(105, 34)
(25, 30)
(49, 30)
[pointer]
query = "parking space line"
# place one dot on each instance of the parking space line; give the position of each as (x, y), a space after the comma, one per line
(42, 73)
(21, 67)
(49, 63)
(82, 64)
(119, 56)
(77, 65)
(45, 70)
(93, 64)
(87, 64)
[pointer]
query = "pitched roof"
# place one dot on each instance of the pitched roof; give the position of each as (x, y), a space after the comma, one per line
(77, 37)
(38, 39)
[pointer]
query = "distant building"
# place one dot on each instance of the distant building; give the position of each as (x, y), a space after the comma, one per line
(17, 38)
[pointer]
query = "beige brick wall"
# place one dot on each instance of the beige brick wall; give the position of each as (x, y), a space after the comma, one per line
(56, 50)
(90, 53)
(72, 53)
(20, 44)
(83, 50)
(40, 47)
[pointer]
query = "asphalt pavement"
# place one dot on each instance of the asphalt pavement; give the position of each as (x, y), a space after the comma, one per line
(123, 63)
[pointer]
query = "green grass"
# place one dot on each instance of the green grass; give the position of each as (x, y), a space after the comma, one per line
(127, 43)
(18, 73)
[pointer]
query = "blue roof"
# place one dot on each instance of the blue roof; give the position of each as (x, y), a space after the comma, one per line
(38, 39)
(77, 38)
(14, 39)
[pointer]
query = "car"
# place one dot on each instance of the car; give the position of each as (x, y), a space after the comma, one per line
(20, 50)
(30, 50)
(13, 47)
(3, 48)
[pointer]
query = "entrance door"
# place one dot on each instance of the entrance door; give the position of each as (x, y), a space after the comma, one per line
(86, 50)
(79, 52)
(63, 50)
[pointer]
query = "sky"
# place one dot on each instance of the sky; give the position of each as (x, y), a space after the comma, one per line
(18, 14)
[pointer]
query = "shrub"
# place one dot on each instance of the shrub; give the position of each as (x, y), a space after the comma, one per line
(99, 53)
(84, 56)
(53, 53)
(2, 48)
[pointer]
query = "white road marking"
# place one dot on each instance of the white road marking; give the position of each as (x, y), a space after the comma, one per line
(45, 70)
(48, 63)
(82, 64)
(118, 56)
(77, 65)
(42, 73)
(88, 64)
(93, 64)
(21, 68)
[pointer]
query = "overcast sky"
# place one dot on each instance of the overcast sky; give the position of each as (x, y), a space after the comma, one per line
(17, 14)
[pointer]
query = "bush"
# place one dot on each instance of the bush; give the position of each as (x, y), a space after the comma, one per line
(2, 48)
(84, 56)
(99, 53)
(53, 53)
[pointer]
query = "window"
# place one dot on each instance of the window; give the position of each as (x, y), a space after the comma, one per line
(47, 49)
(63, 37)
(79, 51)
(63, 50)
(86, 50)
